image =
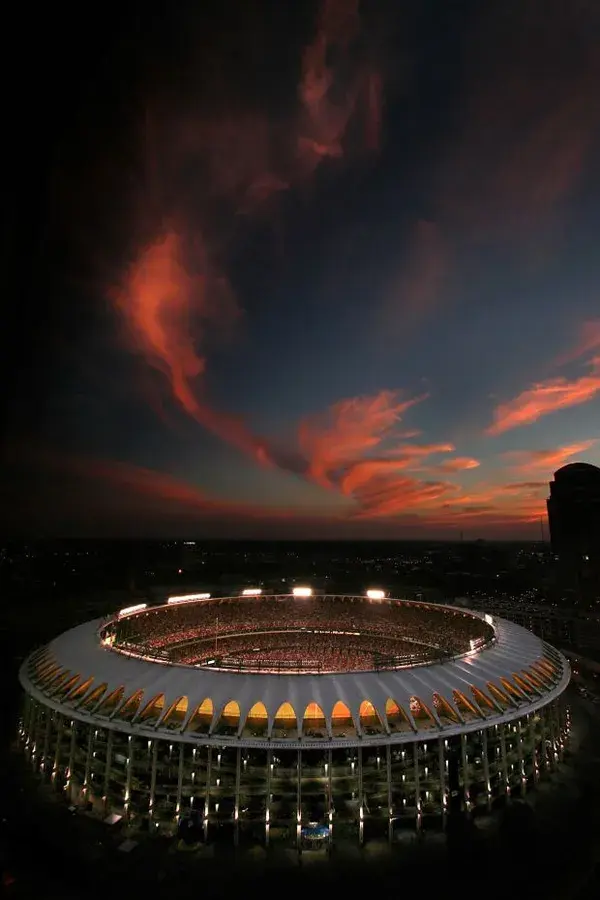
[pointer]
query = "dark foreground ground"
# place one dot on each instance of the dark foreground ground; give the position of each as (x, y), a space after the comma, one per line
(548, 846)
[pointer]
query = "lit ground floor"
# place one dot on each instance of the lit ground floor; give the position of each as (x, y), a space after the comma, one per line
(296, 798)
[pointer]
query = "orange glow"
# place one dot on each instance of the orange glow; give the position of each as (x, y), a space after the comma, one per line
(544, 461)
(340, 711)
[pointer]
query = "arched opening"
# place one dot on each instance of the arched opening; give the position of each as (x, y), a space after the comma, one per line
(110, 703)
(153, 710)
(370, 722)
(505, 701)
(396, 717)
(525, 686)
(342, 723)
(44, 670)
(445, 713)
(130, 708)
(468, 710)
(313, 722)
(542, 674)
(79, 690)
(67, 686)
(421, 714)
(484, 702)
(257, 721)
(202, 717)
(512, 689)
(93, 698)
(285, 721)
(51, 684)
(229, 720)
(176, 713)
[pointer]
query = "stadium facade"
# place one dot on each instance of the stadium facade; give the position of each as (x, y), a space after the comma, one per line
(278, 718)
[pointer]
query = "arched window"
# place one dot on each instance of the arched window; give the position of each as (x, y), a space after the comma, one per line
(396, 717)
(202, 717)
(369, 720)
(110, 703)
(504, 700)
(153, 710)
(421, 713)
(229, 721)
(90, 700)
(342, 722)
(445, 713)
(484, 702)
(257, 721)
(468, 710)
(285, 719)
(176, 713)
(131, 706)
(512, 689)
(313, 723)
(67, 686)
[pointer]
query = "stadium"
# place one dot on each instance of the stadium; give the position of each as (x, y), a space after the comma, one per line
(299, 718)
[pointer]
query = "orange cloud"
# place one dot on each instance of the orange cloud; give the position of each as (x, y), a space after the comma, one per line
(546, 397)
(545, 460)
(348, 430)
(458, 464)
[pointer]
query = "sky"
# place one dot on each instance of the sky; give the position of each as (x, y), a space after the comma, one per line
(309, 270)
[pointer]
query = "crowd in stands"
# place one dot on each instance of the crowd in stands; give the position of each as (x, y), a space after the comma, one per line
(444, 631)
(299, 650)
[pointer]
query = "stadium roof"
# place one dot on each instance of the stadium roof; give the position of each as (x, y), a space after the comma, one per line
(84, 660)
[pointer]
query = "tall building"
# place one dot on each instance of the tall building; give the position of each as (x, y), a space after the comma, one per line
(574, 512)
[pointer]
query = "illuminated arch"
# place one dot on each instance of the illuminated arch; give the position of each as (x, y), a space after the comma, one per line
(153, 709)
(257, 721)
(483, 701)
(445, 713)
(285, 718)
(130, 708)
(176, 713)
(397, 718)
(421, 713)
(527, 683)
(67, 686)
(468, 710)
(342, 722)
(513, 689)
(85, 700)
(504, 700)
(229, 720)
(201, 718)
(369, 717)
(544, 672)
(57, 679)
(313, 720)
(110, 703)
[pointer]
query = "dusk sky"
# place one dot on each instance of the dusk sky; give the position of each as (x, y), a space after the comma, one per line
(303, 270)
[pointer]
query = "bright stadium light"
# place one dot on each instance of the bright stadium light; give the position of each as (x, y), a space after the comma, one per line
(188, 598)
(375, 594)
(131, 609)
(251, 592)
(488, 619)
(302, 592)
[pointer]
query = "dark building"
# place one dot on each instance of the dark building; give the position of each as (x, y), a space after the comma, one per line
(574, 517)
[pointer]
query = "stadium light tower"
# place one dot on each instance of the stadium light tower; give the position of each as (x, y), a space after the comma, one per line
(375, 594)
(128, 610)
(188, 598)
(251, 592)
(302, 592)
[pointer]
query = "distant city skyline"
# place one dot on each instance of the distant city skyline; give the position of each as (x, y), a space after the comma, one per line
(357, 300)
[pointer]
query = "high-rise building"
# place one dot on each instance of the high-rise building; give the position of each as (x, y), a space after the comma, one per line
(574, 513)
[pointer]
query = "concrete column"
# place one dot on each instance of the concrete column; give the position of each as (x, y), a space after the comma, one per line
(107, 769)
(388, 767)
(361, 798)
(298, 798)
(88, 763)
(442, 775)
(486, 767)
(236, 812)
(46, 746)
(129, 772)
(504, 759)
(330, 794)
(71, 759)
(36, 749)
(521, 757)
(59, 734)
(268, 809)
(207, 795)
(153, 766)
(465, 773)
(544, 737)
(179, 781)
(417, 785)
(30, 726)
